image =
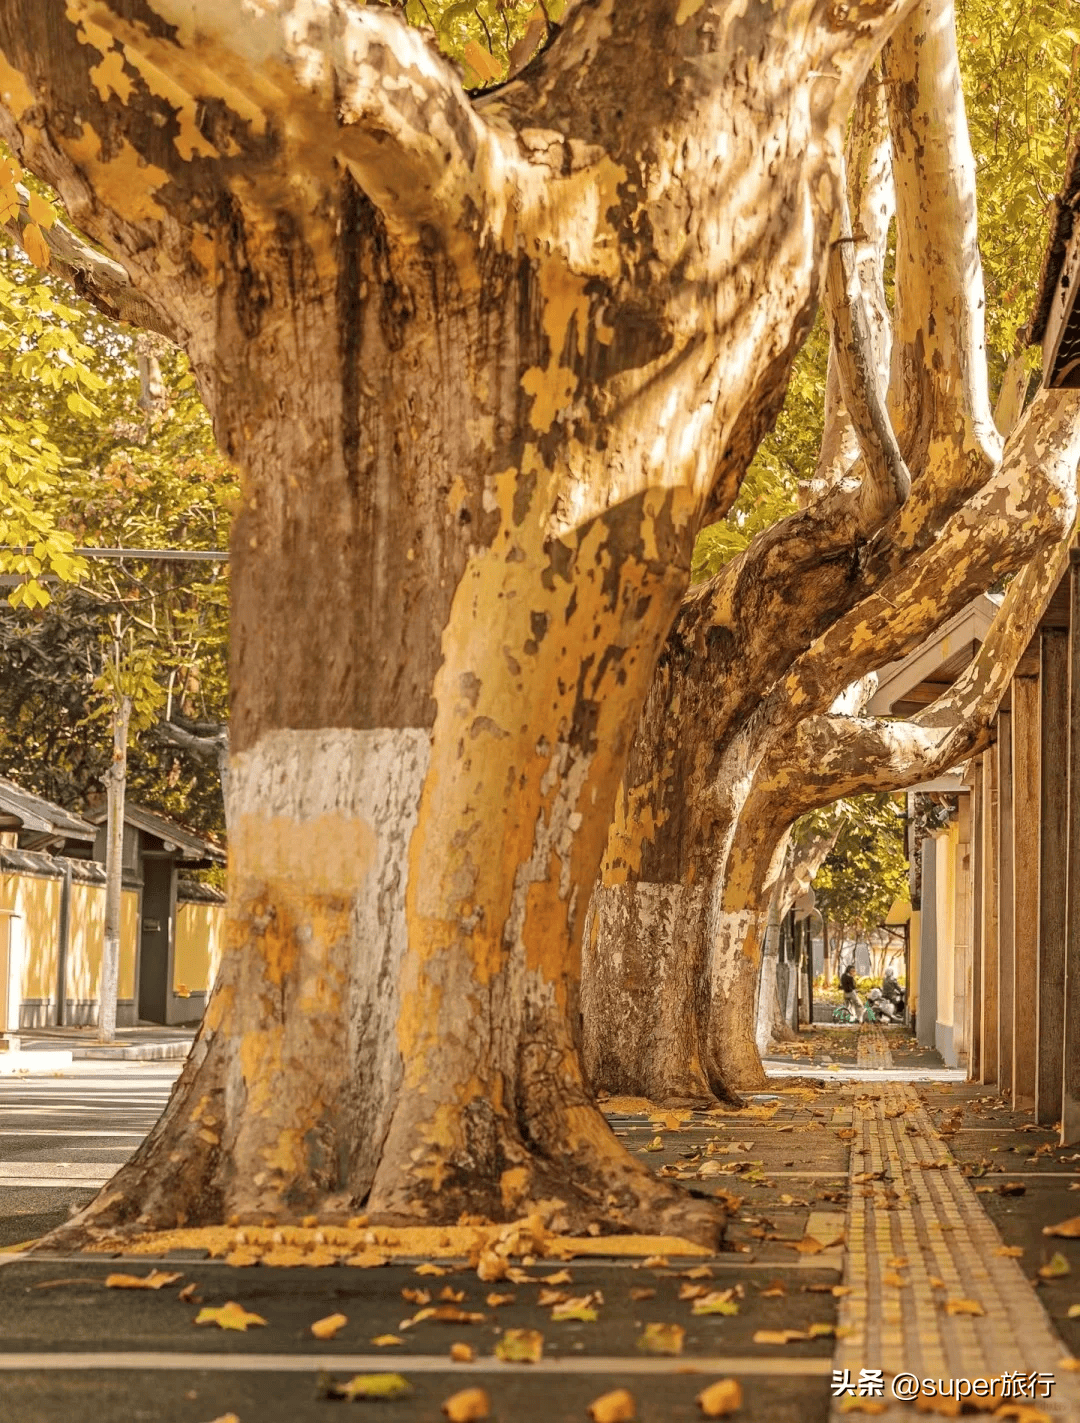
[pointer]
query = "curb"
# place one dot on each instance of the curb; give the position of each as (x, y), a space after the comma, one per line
(138, 1052)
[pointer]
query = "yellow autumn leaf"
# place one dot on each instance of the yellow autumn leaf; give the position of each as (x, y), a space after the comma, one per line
(374, 1386)
(963, 1306)
(481, 62)
(890, 1277)
(716, 1302)
(228, 1316)
(561, 1277)
(34, 245)
(808, 1245)
(468, 1406)
(462, 1353)
(661, 1339)
(387, 1341)
(226, 1418)
(1056, 1266)
(1022, 1413)
(1073, 1312)
(720, 1398)
(779, 1336)
(1013, 1252)
(615, 1407)
(9, 198)
(1069, 1229)
(493, 1300)
(640, 1293)
(580, 1309)
(328, 1327)
(520, 1346)
(40, 211)
(657, 1144)
(427, 1268)
(155, 1280)
(861, 1405)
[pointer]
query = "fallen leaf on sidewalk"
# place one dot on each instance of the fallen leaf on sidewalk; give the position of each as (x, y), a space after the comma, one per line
(187, 1294)
(699, 1272)
(329, 1326)
(861, 1405)
(365, 1386)
(428, 1269)
(640, 1293)
(615, 1407)
(1012, 1252)
(226, 1418)
(387, 1341)
(890, 1277)
(661, 1339)
(773, 1292)
(898, 1262)
(657, 1144)
(1055, 1267)
(493, 1301)
(469, 1406)
(155, 1280)
(1068, 1229)
(1012, 1188)
(462, 1353)
(561, 1277)
(720, 1398)
(420, 1297)
(228, 1316)
(779, 1336)
(580, 1309)
(450, 1295)
(963, 1306)
(808, 1245)
(520, 1346)
(1022, 1413)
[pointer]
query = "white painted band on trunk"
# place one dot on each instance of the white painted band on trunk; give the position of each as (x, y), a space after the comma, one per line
(353, 792)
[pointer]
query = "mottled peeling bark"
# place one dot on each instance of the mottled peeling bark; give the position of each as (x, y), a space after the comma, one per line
(478, 425)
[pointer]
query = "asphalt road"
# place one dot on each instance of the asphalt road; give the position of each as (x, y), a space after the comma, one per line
(62, 1135)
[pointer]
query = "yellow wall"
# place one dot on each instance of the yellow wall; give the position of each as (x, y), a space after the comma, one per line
(199, 930)
(37, 902)
(914, 944)
(83, 971)
(129, 939)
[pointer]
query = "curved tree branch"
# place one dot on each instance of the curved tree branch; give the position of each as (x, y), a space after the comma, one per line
(97, 278)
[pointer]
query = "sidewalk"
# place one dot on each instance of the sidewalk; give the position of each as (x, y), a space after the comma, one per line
(45, 1049)
(877, 1228)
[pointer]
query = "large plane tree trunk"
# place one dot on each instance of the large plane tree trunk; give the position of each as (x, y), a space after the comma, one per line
(485, 368)
(926, 512)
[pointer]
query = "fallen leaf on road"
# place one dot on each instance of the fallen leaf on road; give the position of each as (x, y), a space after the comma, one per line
(520, 1346)
(615, 1407)
(808, 1246)
(155, 1280)
(720, 1398)
(719, 1302)
(547, 1298)
(387, 1341)
(451, 1295)
(468, 1406)
(188, 1292)
(657, 1144)
(692, 1291)
(228, 1316)
(661, 1339)
(779, 1336)
(822, 1331)
(773, 1292)
(226, 1418)
(365, 1386)
(420, 1297)
(560, 1277)
(640, 1293)
(653, 1262)
(580, 1309)
(1069, 1229)
(1056, 1266)
(328, 1327)
(963, 1306)
(491, 1267)
(493, 1300)
(462, 1353)
(428, 1269)
(1011, 1188)
(443, 1314)
(1012, 1252)
(699, 1272)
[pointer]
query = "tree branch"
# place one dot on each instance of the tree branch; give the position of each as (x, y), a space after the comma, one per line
(98, 279)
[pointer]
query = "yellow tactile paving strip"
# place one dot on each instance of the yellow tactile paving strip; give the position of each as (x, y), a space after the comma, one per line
(872, 1049)
(917, 1237)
